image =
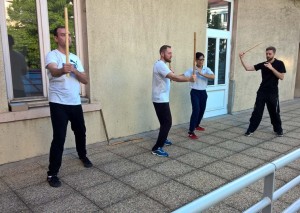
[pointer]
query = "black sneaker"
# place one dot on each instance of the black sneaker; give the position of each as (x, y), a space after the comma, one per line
(86, 162)
(279, 134)
(54, 181)
(248, 133)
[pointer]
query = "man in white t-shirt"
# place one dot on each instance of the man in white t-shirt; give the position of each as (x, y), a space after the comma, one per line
(198, 94)
(65, 104)
(162, 75)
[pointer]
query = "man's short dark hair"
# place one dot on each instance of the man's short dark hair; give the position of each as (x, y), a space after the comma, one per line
(55, 30)
(271, 48)
(164, 48)
(199, 54)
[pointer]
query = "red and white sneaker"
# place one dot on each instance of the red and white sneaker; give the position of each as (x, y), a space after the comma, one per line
(193, 136)
(199, 128)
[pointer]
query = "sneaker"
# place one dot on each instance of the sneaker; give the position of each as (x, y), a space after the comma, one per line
(168, 143)
(192, 136)
(86, 162)
(199, 128)
(279, 134)
(160, 152)
(54, 181)
(248, 134)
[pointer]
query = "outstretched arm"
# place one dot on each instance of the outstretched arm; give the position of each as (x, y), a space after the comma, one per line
(181, 78)
(246, 66)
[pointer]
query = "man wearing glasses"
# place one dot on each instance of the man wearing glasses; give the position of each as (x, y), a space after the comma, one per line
(198, 94)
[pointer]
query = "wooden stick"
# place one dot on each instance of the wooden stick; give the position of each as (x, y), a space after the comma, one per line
(67, 37)
(253, 47)
(194, 61)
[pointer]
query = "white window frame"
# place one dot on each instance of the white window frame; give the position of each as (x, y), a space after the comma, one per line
(44, 45)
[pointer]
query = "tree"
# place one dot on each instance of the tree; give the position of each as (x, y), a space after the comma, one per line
(22, 25)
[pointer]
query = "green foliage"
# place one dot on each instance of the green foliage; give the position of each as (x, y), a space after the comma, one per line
(22, 25)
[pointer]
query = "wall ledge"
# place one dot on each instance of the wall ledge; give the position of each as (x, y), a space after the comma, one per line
(40, 112)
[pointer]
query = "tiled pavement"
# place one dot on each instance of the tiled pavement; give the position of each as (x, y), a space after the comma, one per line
(126, 177)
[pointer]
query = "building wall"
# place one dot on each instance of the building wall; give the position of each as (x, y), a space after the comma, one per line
(275, 23)
(124, 40)
(29, 138)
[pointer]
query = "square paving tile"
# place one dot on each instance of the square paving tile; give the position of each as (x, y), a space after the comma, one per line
(264, 135)
(238, 130)
(221, 126)
(104, 157)
(225, 170)
(295, 165)
(202, 181)
(87, 178)
(193, 144)
(147, 144)
(12, 169)
(244, 199)
(211, 139)
(147, 159)
(252, 141)
(292, 135)
(3, 187)
(127, 151)
(70, 203)
(286, 174)
(9, 202)
(43, 193)
(216, 152)
(172, 168)
(261, 153)
(244, 161)
(137, 204)
(26, 179)
(120, 168)
(196, 160)
(226, 134)
(287, 141)
(109, 193)
(282, 148)
(291, 196)
(173, 194)
(221, 207)
(144, 179)
(259, 185)
(233, 145)
(175, 151)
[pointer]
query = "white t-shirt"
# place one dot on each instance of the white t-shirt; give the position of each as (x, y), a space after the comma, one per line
(201, 82)
(160, 84)
(63, 89)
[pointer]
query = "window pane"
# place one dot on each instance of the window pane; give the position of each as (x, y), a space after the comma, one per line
(21, 21)
(222, 61)
(211, 57)
(218, 14)
(57, 18)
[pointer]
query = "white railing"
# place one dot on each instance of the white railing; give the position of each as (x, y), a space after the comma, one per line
(269, 196)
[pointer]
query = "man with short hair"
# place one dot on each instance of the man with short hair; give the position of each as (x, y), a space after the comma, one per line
(271, 71)
(162, 75)
(65, 104)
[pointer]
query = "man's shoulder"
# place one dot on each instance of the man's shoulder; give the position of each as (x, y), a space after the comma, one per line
(278, 61)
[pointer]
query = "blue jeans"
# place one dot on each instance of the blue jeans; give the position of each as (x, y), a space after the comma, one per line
(198, 99)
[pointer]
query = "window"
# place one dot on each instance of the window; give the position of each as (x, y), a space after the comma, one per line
(26, 40)
(218, 13)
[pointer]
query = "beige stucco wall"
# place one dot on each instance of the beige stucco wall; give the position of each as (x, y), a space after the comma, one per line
(275, 23)
(29, 138)
(124, 39)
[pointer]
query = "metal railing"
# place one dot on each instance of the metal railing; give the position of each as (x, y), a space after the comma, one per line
(269, 196)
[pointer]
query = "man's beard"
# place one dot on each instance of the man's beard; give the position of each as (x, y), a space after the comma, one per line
(168, 60)
(270, 59)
